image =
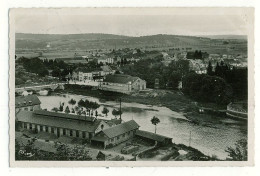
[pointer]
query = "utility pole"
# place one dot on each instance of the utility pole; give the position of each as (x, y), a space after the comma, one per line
(190, 139)
(120, 112)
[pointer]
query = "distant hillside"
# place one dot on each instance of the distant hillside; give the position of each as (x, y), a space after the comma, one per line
(109, 41)
(53, 37)
(227, 37)
(95, 41)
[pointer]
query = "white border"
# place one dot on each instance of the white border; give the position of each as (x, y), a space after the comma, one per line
(246, 13)
(4, 165)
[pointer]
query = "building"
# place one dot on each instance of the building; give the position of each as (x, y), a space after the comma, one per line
(60, 124)
(198, 66)
(27, 103)
(107, 70)
(116, 134)
(122, 83)
(84, 73)
(153, 138)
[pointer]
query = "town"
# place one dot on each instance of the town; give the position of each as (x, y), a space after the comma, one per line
(94, 103)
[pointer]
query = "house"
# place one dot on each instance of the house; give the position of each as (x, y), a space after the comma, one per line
(154, 138)
(102, 60)
(116, 134)
(60, 124)
(84, 73)
(122, 83)
(198, 66)
(27, 103)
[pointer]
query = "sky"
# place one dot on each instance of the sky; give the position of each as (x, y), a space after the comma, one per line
(130, 23)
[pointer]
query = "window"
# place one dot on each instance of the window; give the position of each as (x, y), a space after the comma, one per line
(128, 132)
(84, 134)
(26, 109)
(71, 132)
(41, 128)
(30, 126)
(63, 131)
(25, 125)
(77, 133)
(52, 130)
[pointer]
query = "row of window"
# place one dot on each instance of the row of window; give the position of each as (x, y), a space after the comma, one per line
(27, 108)
(52, 129)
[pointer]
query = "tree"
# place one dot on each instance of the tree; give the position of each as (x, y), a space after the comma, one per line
(96, 113)
(116, 112)
(239, 153)
(72, 102)
(61, 107)
(63, 152)
(155, 121)
(105, 111)
(55, 109)
(56, 72)
(81, 103)
(67, 110)
(210, 69)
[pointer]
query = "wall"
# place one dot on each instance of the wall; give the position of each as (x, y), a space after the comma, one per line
(28, 108)
(48, 130)
(139, 85)
(121, 139)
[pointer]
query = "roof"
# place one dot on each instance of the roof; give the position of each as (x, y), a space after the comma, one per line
(113, 122)
(34, 118)
(87, 70)
(121, 129)
(152, 136)
(64, 115)
(106, 68)
(28, 100)
(122, 79)
(99, 138)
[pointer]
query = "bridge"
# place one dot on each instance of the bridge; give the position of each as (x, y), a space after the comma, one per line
(52, 86)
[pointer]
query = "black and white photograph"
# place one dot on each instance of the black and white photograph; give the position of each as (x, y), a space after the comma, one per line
(131, 85)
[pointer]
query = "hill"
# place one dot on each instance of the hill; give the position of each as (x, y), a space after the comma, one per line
(71, 42)
(53, 37)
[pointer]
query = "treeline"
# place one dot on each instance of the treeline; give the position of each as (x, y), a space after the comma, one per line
(35, 65)
(205, 88)
(151, 69)
(220, 86)
(197, 55)
(237, 78)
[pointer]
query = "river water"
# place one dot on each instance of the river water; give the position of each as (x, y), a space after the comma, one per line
(209, 140)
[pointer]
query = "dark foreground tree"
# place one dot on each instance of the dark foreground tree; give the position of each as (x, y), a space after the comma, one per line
(63, 152)
(239, 152)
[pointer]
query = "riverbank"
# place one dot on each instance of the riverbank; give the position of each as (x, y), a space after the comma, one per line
(173, 100)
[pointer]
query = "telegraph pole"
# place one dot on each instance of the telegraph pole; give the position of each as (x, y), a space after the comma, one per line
(190, 139)
(120, 112)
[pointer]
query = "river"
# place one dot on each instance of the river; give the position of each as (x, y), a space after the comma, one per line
(209, 140)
